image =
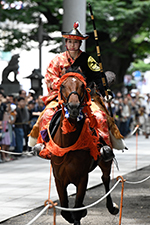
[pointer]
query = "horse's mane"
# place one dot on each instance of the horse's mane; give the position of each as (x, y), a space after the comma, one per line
(72, 72)
(75, 69)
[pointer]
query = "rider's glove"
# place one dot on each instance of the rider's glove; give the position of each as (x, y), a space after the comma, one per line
(110, 96)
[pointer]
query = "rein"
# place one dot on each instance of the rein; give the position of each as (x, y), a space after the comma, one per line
(81, 99)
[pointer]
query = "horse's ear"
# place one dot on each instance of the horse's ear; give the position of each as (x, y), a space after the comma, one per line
(63, 71)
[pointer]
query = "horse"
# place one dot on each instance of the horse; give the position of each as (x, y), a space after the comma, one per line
(78, 137)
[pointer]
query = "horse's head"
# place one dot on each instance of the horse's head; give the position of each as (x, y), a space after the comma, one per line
(72, 92)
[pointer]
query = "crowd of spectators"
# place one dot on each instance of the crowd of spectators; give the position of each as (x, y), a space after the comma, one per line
(19, 113)
(130, 110)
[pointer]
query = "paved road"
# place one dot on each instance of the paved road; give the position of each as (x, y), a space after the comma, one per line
(135, 211)
(24, 182)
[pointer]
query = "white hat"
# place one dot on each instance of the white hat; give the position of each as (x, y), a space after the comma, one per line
(133, 95)
(31, 91)
(13, 107)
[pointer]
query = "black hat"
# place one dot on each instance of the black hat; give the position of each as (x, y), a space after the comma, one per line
(74, 33)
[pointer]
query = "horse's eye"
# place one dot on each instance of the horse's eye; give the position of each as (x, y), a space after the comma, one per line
(62, 86)
(82, 86)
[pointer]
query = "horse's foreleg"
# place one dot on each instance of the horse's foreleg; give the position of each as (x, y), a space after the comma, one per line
(81, 190)
(106, 169)
(63, 197)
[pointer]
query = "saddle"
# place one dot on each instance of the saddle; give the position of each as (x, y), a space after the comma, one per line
(55, 122)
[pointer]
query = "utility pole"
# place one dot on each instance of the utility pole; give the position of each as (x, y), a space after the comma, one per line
(74, 11)
(40, 40)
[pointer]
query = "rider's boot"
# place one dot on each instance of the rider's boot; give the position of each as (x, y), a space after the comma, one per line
(106, 153)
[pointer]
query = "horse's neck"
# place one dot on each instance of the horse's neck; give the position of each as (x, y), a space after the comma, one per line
(66, 140)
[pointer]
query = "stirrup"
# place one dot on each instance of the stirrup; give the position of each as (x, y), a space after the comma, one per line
(106, 153)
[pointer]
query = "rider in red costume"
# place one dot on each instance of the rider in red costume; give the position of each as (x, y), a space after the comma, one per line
(72, 57)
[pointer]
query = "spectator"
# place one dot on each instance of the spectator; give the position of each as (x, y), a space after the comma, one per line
(39, 107)
(6, 138)
(118, 109)
(2, 105)
(30, 96)
(23, 94)
(19, 133)
(2, 111)
(31, 105)
(142, 118)
(125, 118)
(10, 98)
(13, 114)
(25, 120)
(147, 110)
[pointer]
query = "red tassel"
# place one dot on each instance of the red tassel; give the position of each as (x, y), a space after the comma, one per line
(45, 154)
(67, 127)
(76, 24)
(92, 118)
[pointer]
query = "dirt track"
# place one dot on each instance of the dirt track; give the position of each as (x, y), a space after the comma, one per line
(136, 205)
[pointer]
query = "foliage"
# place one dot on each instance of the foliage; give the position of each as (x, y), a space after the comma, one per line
(125, 24)
(140, 66)
(123, 28)
(29, 15)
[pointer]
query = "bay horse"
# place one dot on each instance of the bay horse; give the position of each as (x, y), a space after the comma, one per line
(73, 166)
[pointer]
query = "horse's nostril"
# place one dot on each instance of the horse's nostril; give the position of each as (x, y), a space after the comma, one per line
(73, 109)
(72, 106)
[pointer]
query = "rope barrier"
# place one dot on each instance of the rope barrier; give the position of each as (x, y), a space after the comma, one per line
(121, 201)
(91, 205)
(138, 182)
(50, 204)
(71, 209)
(38, 215)
(134, 131)
(15, 153)
(54, 205)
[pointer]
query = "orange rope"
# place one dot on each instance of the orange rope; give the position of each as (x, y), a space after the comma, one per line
(137, 146)
(50, 178)
(49, 201)
(121, 201)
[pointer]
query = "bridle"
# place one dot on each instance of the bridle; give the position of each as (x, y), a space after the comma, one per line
(73, 109)
(81, 99)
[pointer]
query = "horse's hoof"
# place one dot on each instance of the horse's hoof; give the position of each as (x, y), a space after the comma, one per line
(67, 216)
(115, 209)
(84, 212)
(77, 223)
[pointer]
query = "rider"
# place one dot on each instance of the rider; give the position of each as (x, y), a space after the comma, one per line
(72, 57)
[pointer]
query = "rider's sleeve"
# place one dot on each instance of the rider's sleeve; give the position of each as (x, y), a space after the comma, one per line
(52, 75)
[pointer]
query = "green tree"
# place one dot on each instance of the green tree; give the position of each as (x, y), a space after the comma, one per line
(14, 33)
(123, 28)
